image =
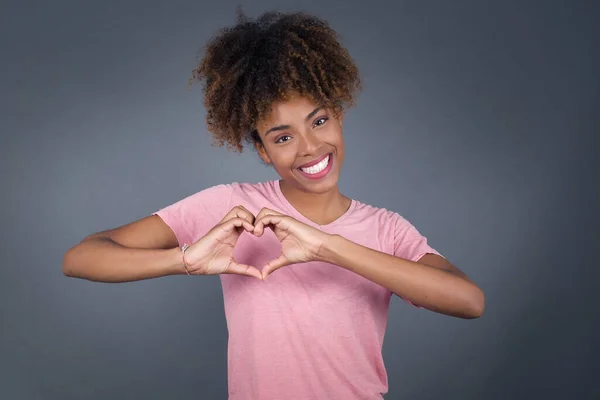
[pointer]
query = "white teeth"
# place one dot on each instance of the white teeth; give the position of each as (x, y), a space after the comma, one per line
(317, 168)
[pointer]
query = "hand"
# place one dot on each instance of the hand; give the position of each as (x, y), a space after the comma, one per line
(213, 254)
(299, 242)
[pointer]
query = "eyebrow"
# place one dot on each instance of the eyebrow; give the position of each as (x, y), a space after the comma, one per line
(282, 127)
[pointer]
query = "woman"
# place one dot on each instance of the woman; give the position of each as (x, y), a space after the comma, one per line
(307, 273)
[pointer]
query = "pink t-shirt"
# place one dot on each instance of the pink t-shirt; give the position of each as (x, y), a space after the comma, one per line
(311, 330)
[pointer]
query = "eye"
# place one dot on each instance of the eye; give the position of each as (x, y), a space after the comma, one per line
(324, 119)
(280, 139)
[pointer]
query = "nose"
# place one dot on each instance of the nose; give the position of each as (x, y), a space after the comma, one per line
(309, 144)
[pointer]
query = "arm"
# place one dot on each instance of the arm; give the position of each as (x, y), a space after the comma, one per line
(433, 282)
(144, 249)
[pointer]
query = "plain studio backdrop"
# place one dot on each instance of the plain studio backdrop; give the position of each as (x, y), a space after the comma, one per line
(478, 123)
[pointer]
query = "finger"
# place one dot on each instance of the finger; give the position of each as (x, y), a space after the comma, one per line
(243, 269)
(274, 265)
(259, 224)
(239, 212)
(266, 211)
(247, 214)
(237, 223)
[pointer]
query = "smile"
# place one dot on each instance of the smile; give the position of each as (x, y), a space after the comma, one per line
(319, 169)
(320, 166)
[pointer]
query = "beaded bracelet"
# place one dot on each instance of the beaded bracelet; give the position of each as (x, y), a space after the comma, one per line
(183, 249)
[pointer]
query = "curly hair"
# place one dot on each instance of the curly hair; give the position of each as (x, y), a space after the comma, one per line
(248, 67)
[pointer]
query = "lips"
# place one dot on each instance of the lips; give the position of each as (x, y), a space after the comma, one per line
(315, 162)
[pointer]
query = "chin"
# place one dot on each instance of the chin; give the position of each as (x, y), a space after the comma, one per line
(322, 184)
(320, 188)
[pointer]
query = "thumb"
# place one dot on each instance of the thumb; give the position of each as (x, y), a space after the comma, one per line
(243, 269)
(274, 265)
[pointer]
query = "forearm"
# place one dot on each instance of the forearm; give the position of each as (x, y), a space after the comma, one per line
(103, 260)
(432, 288)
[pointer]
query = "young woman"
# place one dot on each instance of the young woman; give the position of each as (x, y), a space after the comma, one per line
(307, 273)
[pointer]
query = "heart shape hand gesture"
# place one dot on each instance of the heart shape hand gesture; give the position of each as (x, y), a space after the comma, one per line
(213, 253)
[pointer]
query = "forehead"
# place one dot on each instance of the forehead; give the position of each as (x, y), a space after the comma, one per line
(289, 111)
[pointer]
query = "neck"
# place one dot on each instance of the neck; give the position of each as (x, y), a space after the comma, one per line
(320, 208)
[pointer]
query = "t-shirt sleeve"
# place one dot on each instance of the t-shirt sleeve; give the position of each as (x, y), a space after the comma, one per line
(192, 217)
(410, 244)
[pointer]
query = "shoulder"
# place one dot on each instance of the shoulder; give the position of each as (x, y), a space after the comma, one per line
(388, 222)
(256, 195)
(250, 191)
(226, 193)
(381, 215)
(206, 198)
(253, 188)
(220, 193)
(376, 227)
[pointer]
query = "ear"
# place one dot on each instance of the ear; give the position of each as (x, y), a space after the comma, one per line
(262, 152)
(340, 118)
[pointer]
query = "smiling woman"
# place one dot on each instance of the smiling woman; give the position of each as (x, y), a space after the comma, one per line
(307, 272)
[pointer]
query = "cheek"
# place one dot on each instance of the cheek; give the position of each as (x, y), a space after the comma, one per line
(337, 140)
(283, 158)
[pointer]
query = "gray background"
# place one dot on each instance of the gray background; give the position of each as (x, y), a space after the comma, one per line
(478, 123)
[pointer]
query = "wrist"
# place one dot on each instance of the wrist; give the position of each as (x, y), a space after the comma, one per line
(330, 248)
(176, 261)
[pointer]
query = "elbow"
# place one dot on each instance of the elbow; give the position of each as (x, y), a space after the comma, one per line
(68, 269)
(71, 258)
(475, 304)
